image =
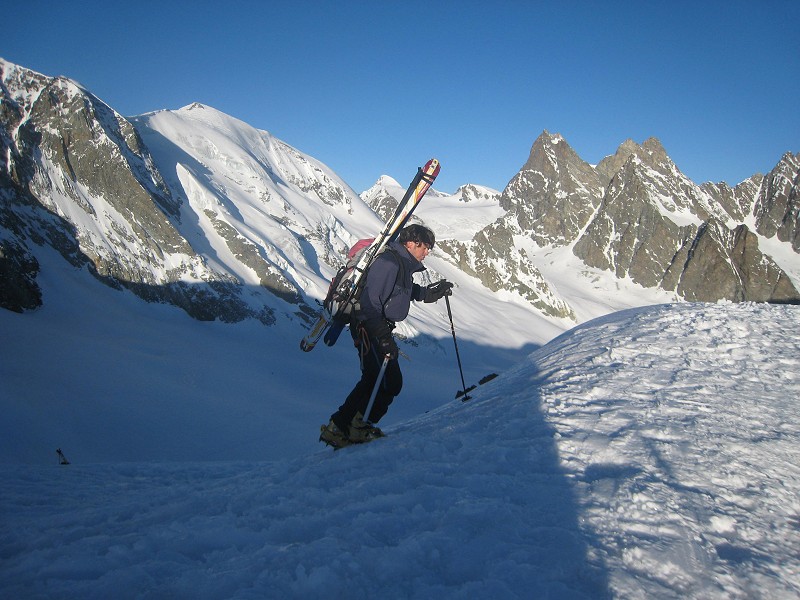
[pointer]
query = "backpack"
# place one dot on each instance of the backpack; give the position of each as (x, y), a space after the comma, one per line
(335, 299)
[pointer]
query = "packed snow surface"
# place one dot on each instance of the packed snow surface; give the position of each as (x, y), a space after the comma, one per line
(651, 453)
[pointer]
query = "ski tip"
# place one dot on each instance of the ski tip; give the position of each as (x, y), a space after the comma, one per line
(432, 167)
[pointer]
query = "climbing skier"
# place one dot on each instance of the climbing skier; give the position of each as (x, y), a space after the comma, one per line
(384, 301)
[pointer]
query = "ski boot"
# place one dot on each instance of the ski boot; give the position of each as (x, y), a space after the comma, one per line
(362, 431)
(333, 436)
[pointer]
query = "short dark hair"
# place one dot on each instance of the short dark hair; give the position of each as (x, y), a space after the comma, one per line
(417, 233)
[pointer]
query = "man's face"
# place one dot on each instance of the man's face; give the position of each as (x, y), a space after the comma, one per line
(418, 250)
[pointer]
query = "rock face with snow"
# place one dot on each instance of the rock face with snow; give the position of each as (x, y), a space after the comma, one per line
(79, 178)
(554, 195)
(160, 218)
(777, 206)
(637, 215)
(658, 228)
(736, 201)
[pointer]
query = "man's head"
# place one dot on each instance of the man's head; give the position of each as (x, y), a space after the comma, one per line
(418, 240)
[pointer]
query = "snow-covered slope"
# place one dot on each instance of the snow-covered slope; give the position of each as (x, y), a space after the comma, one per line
(111, 378)
(265, 191)
(649, 454)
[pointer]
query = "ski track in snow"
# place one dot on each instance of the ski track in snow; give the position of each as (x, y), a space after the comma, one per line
(648, 454)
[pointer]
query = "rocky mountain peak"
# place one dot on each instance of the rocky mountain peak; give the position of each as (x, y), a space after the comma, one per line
(642, 219)
(777, 205)
(555, 192)
(473, 193)
(550, 152)
(653, 148)
(650, 153)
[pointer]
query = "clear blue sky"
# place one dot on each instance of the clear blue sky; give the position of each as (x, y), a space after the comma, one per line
(378, 87)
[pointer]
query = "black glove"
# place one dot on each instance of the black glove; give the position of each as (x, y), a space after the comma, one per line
(437, 290)
(388, 347)
(379, 330)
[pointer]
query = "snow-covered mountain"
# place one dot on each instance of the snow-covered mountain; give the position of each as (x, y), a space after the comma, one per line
(190, 207)
(198, 209)
(657, 227)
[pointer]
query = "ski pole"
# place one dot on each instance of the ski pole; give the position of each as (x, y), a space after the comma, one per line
(455, 343)
(378, 382)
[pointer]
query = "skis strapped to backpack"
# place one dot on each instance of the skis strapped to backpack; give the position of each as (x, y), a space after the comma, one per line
(346, 286)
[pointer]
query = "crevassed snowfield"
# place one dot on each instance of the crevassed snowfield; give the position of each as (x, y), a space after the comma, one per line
(651, 453)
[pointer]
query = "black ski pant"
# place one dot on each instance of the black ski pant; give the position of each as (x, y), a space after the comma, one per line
(358, 399)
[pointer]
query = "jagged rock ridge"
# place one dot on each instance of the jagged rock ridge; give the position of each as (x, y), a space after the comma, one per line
(637, 215)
